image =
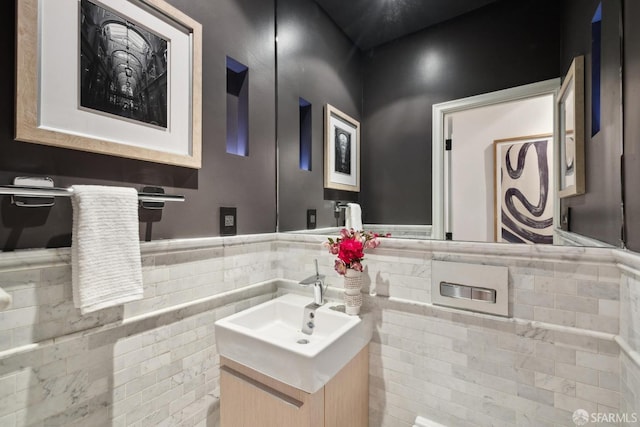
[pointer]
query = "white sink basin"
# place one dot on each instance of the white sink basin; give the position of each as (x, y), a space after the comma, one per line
(268, 338)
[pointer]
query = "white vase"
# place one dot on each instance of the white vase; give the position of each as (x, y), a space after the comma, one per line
(352, 294)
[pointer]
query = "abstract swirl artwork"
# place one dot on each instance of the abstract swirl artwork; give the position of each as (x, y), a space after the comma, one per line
(523, 190)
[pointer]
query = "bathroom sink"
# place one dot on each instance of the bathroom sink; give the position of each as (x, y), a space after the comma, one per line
(269, 339)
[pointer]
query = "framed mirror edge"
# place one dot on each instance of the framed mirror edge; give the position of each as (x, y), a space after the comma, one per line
(419, 232)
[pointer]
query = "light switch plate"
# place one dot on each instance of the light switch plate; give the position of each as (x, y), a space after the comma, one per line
(228, 222)
(311, 219)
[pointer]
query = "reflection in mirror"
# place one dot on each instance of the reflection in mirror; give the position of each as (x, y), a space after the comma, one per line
(391, 86)
(466, 205)
(318, 63)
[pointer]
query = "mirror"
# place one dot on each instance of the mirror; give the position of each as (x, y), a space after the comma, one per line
(391, 89)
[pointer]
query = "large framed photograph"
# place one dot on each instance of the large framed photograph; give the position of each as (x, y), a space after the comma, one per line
(116, 77)
(342, 151)
(571, 131)
(523, 191)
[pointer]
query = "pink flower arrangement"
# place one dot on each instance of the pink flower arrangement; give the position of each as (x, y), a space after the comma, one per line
(349, 248)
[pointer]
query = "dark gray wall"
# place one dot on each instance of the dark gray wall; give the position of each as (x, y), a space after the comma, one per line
(500, 46)
(631, 122)
(242, 29)
(317, 62)
(597, 213)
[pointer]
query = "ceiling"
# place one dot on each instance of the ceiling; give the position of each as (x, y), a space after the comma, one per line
(369, 23)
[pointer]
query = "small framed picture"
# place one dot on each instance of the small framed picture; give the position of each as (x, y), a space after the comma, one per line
(523, 192)
(571, 131)
(342, 151)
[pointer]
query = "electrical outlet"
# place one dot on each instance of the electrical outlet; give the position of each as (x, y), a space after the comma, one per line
(228, 222)
(311, 219)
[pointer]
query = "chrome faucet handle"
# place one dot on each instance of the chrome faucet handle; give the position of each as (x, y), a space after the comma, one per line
(319, 287)
(323, 286)
(312, 280)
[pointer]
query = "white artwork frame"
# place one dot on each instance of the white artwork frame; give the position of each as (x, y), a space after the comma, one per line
(342, 151)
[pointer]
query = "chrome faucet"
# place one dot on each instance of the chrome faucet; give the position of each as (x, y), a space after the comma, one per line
(319, 288)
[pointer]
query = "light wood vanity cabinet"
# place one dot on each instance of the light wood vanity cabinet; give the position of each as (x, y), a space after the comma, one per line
(249, 398)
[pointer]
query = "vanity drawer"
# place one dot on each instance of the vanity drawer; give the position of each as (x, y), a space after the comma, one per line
(249, 398)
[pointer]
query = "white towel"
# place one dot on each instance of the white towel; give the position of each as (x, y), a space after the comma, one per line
(105, 248)
(353, 217)
(423, 422)
(5, 300)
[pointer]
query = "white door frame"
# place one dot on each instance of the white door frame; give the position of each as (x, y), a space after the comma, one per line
(440, 185)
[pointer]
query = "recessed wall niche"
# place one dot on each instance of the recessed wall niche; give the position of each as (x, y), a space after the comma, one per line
(305, 134)
(596, 61)
(237, 108)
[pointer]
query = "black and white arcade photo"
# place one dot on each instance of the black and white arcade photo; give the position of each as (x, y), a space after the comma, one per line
(123, 67)
(343, 151)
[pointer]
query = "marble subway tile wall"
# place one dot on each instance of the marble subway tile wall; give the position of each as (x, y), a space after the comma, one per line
(629, 331)
(148, 362)
(559, 351)
(470, 370)
(173, 274)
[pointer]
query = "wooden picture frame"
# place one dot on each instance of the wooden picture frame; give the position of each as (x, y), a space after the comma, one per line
(571, 181)
(523, 189)
(135, 80)
(342, 151)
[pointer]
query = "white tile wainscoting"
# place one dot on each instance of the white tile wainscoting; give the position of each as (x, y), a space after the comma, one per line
(572, 342)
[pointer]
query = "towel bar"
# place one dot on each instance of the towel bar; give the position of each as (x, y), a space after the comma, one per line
(47, 191)
(338, 206)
